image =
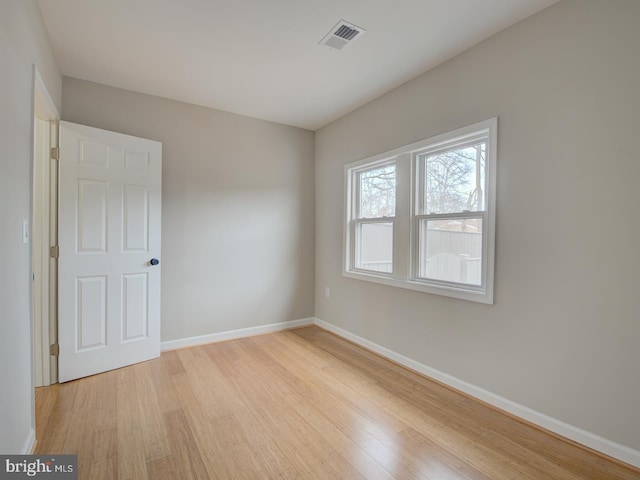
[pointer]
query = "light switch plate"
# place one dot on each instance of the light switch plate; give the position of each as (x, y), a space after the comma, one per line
(25, 230)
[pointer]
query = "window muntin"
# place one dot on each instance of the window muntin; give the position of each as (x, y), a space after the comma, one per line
(422, 217)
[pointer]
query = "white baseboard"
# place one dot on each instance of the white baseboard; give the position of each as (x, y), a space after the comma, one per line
(29, 443)
(233, 334)
(600, 444)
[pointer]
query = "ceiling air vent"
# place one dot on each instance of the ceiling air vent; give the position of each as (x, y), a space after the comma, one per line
(341, 35)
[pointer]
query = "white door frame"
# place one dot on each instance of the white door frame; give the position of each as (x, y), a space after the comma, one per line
(44, 235)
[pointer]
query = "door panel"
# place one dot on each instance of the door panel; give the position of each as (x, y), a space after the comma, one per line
(134, 314)
(91, 317)
(92, 217)
(136, 218)
(109, 229)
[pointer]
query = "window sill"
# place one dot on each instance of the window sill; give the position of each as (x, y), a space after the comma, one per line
(472, 295)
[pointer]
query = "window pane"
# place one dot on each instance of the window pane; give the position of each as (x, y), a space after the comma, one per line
(375, 247)
(454, 180)
(451, 250)
(378, 192)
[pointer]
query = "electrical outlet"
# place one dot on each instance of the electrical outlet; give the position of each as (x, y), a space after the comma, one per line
(25, 231)
(327, 292)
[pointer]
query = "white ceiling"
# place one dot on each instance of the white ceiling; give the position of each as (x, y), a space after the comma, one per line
(261, 58)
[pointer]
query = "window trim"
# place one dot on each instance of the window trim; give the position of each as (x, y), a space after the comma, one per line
(407, 218)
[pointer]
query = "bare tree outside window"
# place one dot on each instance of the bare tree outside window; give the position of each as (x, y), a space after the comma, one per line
(378, 192)
(455, 179)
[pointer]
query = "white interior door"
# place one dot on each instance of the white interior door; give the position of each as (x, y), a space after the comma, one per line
(109, 232)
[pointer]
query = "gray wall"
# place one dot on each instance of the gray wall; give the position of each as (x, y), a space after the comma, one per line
(23, 43)
(563, 337)
(237, 208)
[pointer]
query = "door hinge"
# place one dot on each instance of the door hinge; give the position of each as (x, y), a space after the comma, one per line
(54, 252)
(54, 349)
(55, 153)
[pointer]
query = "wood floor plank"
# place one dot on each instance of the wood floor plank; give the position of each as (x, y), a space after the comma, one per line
(130, 437)
(101, 457)
(207, 440)
(154, 429)
(218, 397)
(162, 372)
(185, 450)
(302, 404)
(162, 469)
(212, 434)
(46, 400)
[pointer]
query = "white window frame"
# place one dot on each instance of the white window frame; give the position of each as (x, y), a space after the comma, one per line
(408, 215)
(358, 221)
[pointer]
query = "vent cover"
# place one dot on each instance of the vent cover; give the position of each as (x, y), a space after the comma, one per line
(341, 35)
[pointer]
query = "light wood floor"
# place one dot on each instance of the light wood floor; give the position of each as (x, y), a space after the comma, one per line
(297, 404)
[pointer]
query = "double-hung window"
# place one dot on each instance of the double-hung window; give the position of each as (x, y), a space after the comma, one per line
(374, 216)
(423, 216)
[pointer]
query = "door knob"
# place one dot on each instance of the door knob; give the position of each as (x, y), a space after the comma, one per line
(154, 261)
